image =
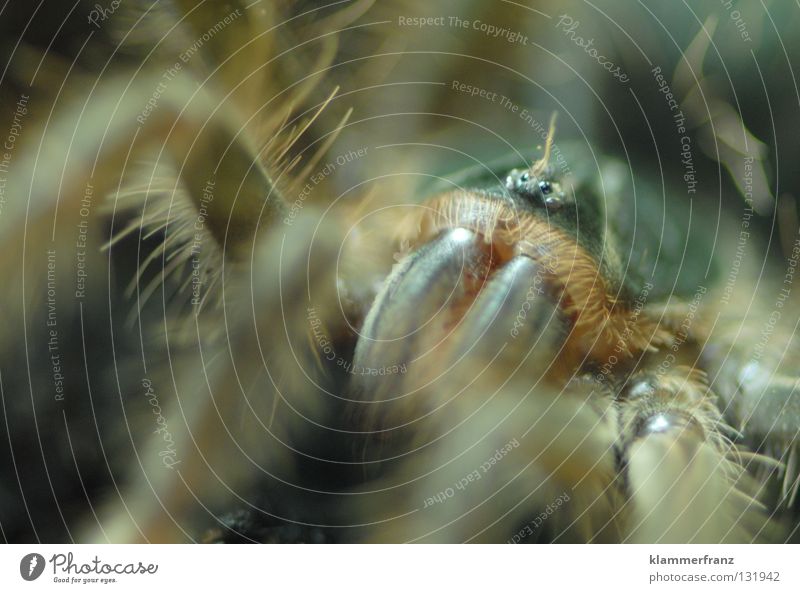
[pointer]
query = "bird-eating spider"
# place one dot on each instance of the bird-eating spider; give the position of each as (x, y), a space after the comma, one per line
(520, 352)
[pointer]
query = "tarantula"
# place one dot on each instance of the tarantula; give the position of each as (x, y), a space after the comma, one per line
(499, 356)
(610, 397)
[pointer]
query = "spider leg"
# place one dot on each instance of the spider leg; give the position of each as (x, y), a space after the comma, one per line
(683, 476)
(246, 408)
(754, 365)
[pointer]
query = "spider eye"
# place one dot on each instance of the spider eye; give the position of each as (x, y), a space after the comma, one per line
(545, 187)
(525, 177)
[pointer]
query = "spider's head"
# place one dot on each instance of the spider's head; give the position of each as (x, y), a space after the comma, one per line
(536, 190)
(538, 186)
